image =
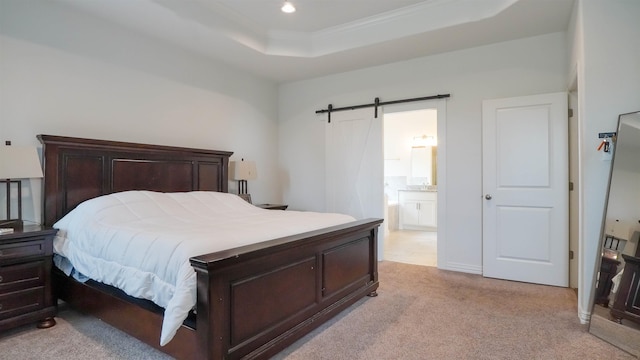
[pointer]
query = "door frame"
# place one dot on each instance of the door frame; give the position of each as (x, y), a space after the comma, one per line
(575, 191)
(441, 106)
(585, 288)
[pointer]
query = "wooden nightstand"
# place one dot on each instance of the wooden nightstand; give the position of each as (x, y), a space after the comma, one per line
(26, 258)
(273, 206)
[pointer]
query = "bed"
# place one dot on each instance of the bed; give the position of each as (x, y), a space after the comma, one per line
(301, 280)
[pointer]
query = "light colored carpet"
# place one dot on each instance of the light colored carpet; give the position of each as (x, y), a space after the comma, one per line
(75, 337)
(420, 313)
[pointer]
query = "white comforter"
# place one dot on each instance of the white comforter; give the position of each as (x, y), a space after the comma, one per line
(141, 241)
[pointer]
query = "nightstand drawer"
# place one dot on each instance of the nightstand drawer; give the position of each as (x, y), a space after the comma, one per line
(21, 276)
(21, 302)
(22, 250)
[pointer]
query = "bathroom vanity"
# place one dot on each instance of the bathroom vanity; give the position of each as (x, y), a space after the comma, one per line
(418, 209)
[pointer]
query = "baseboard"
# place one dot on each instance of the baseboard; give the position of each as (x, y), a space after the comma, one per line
(465, 268)
(584, 316)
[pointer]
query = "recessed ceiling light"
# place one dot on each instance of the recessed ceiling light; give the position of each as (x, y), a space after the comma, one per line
(288, 7)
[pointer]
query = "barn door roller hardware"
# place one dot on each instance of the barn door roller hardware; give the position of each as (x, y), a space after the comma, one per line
(375, 105)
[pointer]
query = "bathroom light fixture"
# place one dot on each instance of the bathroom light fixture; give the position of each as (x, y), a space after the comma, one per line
(424, 140)
(288, 7)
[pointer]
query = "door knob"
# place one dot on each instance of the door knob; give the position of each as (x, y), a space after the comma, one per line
(488, 196)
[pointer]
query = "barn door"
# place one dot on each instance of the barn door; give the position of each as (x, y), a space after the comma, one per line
(354, 165)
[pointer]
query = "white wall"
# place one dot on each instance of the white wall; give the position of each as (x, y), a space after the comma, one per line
(605, 56)
(65, 73)
(524, 67)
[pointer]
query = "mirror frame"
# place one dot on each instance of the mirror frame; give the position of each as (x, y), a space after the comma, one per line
(600, 249)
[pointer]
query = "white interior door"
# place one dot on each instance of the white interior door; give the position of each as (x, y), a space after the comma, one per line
(525, 183)
(354, 165)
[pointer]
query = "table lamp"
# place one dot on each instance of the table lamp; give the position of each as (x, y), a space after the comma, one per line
(244, 170)
(17, 162)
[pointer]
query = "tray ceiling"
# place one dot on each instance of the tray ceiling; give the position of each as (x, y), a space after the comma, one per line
(327, 36)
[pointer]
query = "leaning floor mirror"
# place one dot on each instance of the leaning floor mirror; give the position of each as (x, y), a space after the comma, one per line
(615, 316)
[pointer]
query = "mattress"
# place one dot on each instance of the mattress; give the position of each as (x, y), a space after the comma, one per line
(141, 241)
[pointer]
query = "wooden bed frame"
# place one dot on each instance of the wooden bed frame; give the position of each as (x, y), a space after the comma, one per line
(253, 301)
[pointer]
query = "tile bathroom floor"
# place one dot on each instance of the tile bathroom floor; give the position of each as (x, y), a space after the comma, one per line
(411, 247)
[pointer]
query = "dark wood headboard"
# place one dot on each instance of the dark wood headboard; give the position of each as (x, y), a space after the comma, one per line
(78, 169)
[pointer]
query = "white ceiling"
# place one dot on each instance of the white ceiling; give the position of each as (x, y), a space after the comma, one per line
(329, 36)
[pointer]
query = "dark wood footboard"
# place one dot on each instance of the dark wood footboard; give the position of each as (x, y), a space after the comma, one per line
(255, 301)
(252, 301)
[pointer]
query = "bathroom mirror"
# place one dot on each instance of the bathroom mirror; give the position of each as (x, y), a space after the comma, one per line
(615, 315)
(423, 165)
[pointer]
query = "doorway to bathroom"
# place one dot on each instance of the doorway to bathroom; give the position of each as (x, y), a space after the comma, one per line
(411, 186)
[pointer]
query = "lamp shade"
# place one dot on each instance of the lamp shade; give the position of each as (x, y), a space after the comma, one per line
(19, 162)
(245, 170)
